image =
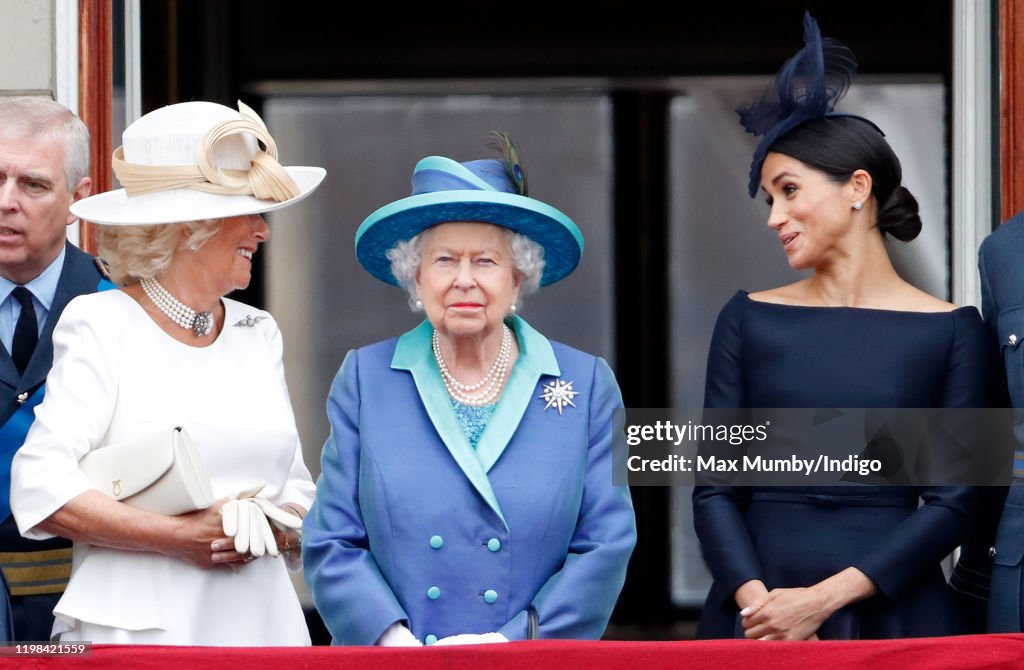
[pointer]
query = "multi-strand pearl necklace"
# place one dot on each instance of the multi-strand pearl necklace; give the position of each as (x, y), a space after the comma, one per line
(485, 391)
(200, 323)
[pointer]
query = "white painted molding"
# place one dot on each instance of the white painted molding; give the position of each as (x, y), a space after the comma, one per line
(972, 213)
(132, 62)
(65, 75)
(65, 50)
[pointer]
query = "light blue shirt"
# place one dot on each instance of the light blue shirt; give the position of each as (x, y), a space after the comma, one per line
(43, 288)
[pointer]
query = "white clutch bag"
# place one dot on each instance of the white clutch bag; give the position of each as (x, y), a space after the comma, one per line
(161, 472)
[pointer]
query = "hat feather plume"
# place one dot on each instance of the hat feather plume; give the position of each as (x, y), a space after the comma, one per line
(510, 158)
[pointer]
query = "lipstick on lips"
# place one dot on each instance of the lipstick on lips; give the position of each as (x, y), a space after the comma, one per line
(787, 239)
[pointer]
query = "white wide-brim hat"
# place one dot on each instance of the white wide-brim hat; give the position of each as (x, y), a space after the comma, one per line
(176, 139)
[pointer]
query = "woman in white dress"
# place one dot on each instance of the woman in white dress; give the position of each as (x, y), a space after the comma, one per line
(166, 350)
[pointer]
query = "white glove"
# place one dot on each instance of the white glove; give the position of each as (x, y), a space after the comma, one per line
(471, 638)
(278, 515)
(397, 635)
(245, 521)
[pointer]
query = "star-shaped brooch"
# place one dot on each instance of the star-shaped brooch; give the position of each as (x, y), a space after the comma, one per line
(250, 321)
(558, 394)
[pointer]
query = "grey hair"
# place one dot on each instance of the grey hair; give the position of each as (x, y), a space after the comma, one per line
(527, 259)
(141, 252)
(32, 117)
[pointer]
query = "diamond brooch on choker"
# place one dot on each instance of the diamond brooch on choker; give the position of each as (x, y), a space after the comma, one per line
(200, 323)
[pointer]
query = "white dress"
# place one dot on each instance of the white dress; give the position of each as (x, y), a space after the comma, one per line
(117, 375)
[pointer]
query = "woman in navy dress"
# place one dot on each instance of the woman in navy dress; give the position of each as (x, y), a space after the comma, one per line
(808, 563)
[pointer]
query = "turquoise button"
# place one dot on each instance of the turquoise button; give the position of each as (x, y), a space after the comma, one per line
(430, 639)
(494, 544)
(490, 596)
(433, 593)
(436, 541)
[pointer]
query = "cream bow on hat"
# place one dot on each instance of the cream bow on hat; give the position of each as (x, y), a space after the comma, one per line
(197, 160)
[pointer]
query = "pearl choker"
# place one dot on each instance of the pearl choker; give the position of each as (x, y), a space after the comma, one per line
(200, 323)
(485, 391)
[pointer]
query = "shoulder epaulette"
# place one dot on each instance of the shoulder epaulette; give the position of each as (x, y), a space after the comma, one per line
(101, 265)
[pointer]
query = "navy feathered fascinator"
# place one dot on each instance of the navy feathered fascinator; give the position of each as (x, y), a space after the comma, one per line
(807, 88)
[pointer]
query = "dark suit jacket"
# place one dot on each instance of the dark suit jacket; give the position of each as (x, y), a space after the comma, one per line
(80, 275)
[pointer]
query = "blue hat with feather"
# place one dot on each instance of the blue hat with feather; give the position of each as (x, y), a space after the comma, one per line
(486, 191)
(807, 88)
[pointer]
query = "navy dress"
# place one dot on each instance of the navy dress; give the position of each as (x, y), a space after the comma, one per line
(770, 355)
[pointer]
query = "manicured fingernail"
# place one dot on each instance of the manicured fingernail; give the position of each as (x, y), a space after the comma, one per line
(216, 558)
(216, 546)
(747, 611)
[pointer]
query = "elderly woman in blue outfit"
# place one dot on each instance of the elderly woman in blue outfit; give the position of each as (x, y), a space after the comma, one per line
(466, 493)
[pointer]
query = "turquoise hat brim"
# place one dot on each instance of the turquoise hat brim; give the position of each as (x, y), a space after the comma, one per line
(403, 219)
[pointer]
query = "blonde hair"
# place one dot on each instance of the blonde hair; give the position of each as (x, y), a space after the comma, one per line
(139, 252)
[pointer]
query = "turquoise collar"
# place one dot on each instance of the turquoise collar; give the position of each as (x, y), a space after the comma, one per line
(536, 359)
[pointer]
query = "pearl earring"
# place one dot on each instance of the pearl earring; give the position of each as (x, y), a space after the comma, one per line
(857, 205)
(419, 303)
(513, 309)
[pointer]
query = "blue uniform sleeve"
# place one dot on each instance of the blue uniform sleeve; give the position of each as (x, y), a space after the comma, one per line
(577, 601)
(972, 575)
(718, 511)
(999, 389)
(352, 596)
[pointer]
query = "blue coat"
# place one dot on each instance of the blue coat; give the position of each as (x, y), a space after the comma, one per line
(1002, 296)
(411, 524)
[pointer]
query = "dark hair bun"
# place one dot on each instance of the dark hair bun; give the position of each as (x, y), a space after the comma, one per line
(898, 215)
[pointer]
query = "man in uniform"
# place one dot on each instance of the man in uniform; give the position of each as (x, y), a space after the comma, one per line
(44, 168)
